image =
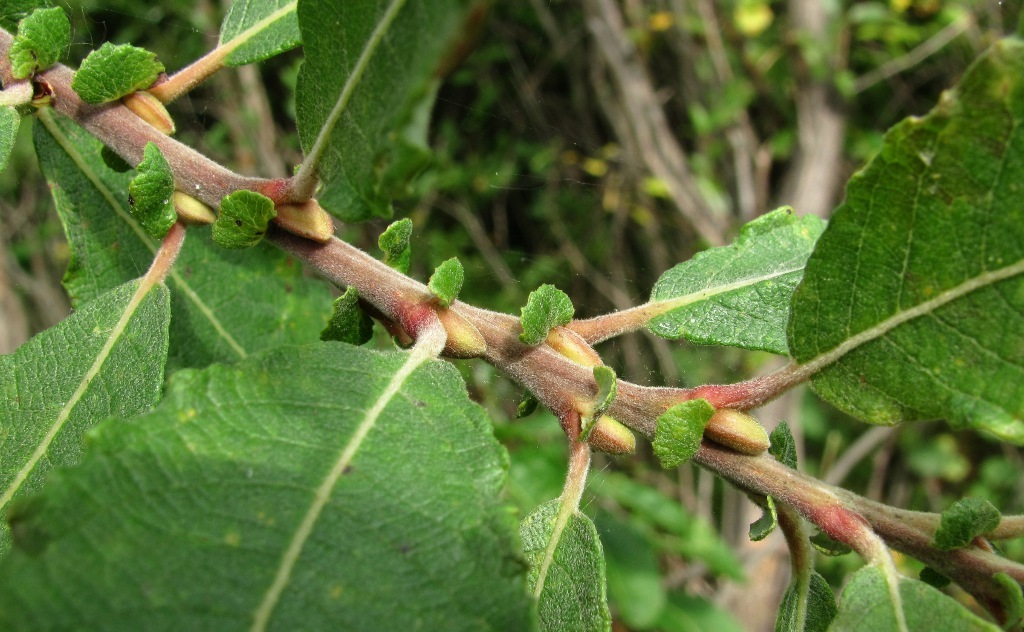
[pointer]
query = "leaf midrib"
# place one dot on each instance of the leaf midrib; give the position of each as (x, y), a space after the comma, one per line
(244, 36)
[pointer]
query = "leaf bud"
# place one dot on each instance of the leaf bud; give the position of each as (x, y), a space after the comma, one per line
(191, 210)
(611, 437)
(573, 346)
(738, 431)
(464, 339)
(148, 108)
(307, 220)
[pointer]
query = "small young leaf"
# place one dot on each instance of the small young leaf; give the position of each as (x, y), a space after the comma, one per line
(10, 121)
(783, 446)
(395, 243)
(244, 216)
(527, 406)
(965, 520)
(114, 70)
(348, 323)
(151, 192)
(828, 546)
(933, 577)
(573, 595)
(446, 281)
(546, 307)
(41, 38)
(820, 607)
(634, 573)
(679, 431)
(607, 386)
(763, 526)
(867, 606)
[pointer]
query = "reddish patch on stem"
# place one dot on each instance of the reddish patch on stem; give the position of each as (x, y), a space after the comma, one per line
(841, 524)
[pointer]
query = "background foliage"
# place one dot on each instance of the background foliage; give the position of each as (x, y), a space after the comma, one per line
(543, 173)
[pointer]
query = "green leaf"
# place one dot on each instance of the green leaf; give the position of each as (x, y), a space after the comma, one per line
(14, 11)
(607, 388)
(42, 38)
(113, 160)
(243, 219)
(934, 578)
(738, 295)
(10, 121)
(107, 358)
(150, 193)
(913, 301)
(819, 606)
(348, 323)
(363, 79)
(866, 607)
(965, 520)
(258, 29)
(687, 613)
(316, 487)
(763, 526)
(572, 596)
(545, 308)
(826, 545)
(679, 431)
(446, 281)
(226, 304)
(1012, 600)
(783, 446)
(634, 573)
(115, 70)
(394, 241)
(527, 406)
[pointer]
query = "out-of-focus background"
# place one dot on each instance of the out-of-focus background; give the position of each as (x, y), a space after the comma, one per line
(594, 144)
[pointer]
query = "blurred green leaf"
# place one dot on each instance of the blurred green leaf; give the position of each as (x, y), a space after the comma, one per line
(914, 295)
(115, 70)
(258, 29)
(686, 613)
(634, 576)
(866, 606)
(13, 11)
(42, 38)
(150, 193)
(546, 307)
(679, 432)
(738, 295)
(965, 520)
(819, 607)
(107, 358)
(572, 596)
(242, 509)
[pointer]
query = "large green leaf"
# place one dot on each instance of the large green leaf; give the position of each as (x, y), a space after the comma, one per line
(10, 121)
(105, 359)
(914, 296)
(257, 29)
(369, 65)
(320, 487)
(225, 304)
(572, 595)
(866, 606)
(738, 295)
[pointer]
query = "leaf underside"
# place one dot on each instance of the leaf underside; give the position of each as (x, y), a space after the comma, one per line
(183, 519)
(915, 293)
(47, 411)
